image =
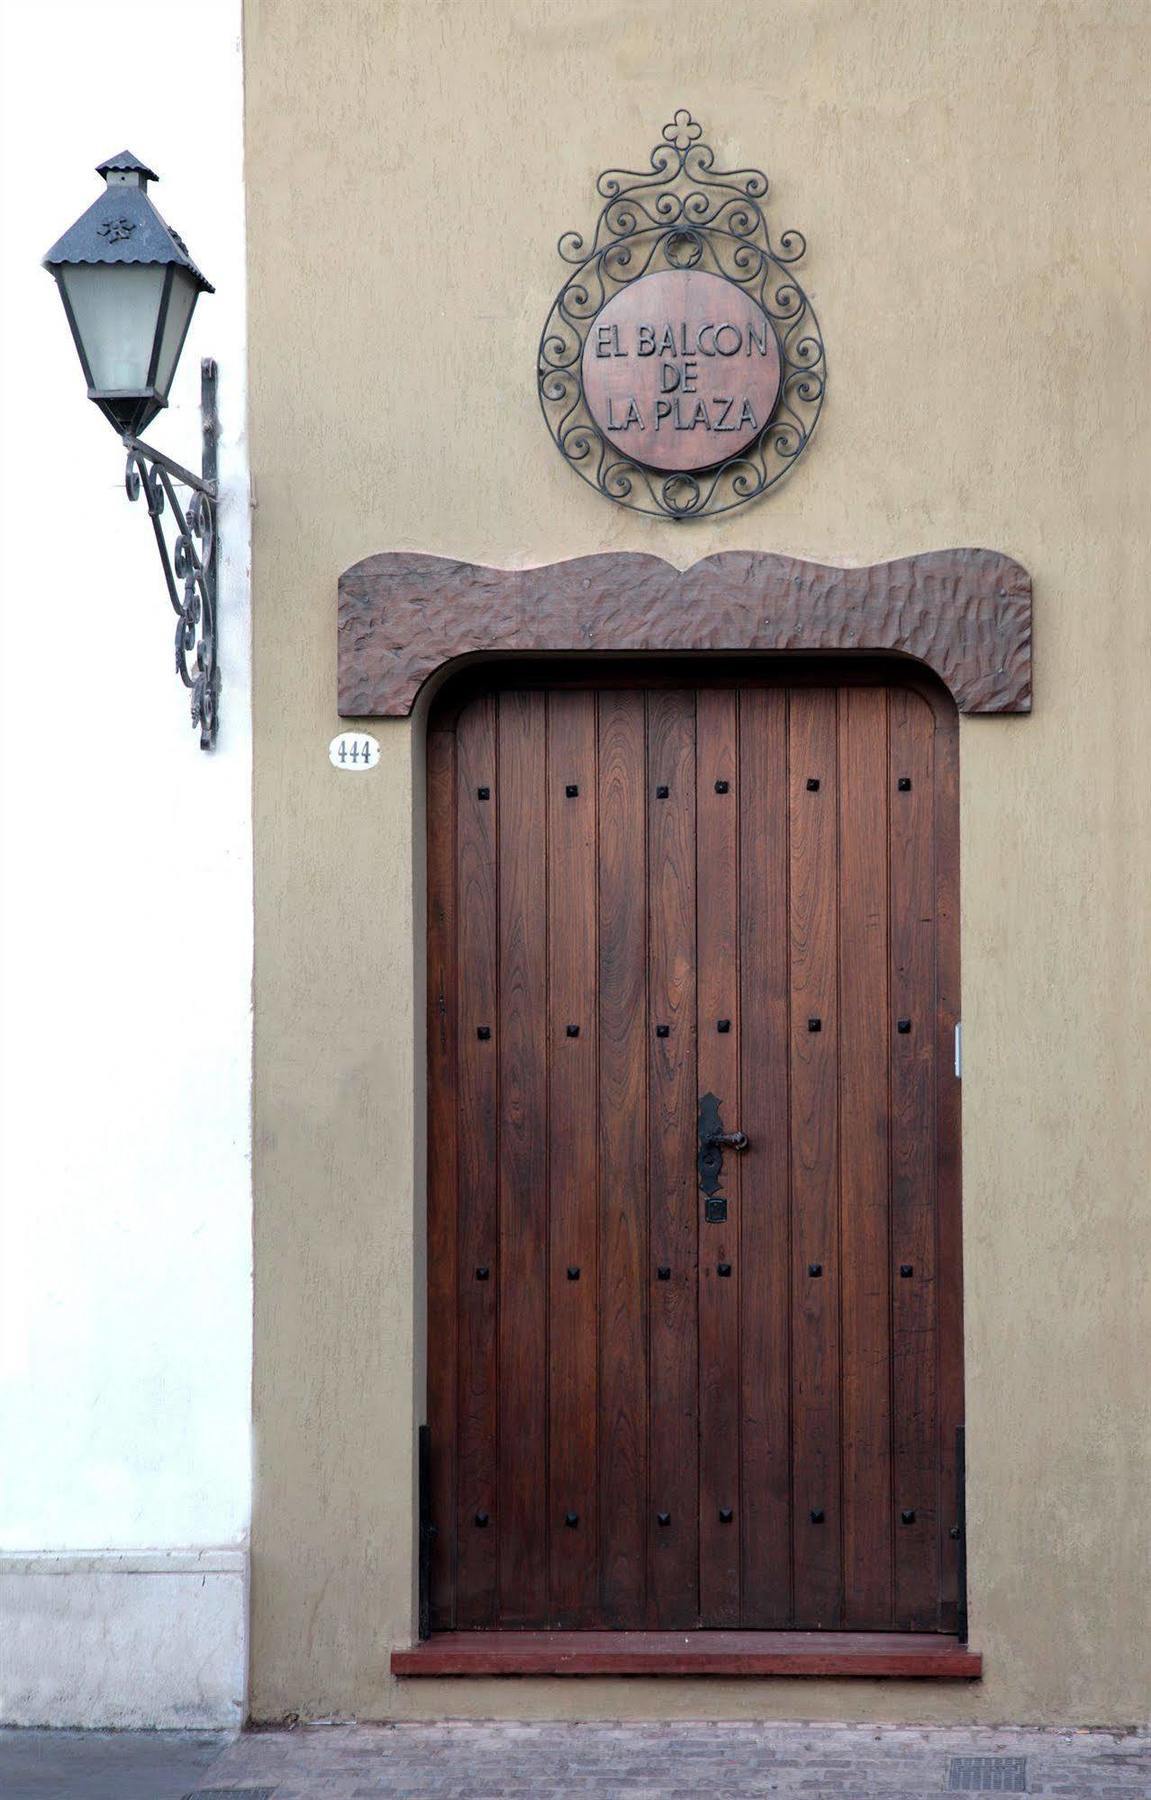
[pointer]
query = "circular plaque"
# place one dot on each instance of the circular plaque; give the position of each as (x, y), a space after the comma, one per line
(681, 370)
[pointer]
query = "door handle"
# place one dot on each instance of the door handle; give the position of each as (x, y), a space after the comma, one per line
(730, 1140)
(713, 1141)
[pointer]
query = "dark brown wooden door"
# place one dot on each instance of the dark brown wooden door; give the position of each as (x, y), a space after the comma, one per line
(641, 895)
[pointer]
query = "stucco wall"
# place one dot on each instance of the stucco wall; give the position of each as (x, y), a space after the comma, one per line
(125, 1200)
(971, 181)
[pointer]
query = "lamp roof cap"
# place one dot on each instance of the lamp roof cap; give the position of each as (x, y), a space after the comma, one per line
(123, 226)
(126, 161)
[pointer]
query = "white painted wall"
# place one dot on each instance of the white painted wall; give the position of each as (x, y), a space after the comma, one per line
(125, 1231)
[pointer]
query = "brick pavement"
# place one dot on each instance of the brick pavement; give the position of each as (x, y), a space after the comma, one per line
(467, 1761)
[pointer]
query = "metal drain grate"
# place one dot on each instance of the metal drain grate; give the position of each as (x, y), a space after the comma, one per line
(230, 1794)
(988, 1775)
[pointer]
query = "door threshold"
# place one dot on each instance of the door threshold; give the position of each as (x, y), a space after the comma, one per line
(866, 1654)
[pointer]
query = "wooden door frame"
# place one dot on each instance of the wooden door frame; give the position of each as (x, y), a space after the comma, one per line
(408, 620)
(406, 616)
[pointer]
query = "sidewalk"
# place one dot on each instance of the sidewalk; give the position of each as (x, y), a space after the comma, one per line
(551, 1762)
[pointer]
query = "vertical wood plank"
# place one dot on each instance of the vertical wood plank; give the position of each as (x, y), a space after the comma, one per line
(624, 1274)
(817, 1520)
(913, 1191)
(765, 1296)
(864, 1042)
(673, 1587)
(523, 975)
(572, 1302)
(442, 1224)
(717, 994)
(948, 1091)
(478, 1162)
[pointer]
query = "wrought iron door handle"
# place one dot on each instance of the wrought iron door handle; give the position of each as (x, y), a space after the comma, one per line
(713, 1141)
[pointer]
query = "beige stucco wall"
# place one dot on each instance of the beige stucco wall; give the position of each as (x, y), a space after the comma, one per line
(972, 180)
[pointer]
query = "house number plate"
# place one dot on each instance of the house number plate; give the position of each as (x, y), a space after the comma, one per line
(354, 750)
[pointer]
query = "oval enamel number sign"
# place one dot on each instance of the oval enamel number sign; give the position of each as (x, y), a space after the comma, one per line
(354, 750)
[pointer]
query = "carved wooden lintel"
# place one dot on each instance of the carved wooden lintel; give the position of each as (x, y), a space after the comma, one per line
(966, 614)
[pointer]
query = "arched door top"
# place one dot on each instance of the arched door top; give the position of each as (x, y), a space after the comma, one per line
(965, 614)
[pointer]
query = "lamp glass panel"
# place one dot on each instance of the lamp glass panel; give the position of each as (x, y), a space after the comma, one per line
(180, 303)
(115, 306)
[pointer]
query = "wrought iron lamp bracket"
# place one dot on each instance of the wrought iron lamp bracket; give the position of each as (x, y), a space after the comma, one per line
(682, 213)
(190, 567)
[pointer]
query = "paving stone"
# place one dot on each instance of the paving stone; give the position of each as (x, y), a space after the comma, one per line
(460, 1760)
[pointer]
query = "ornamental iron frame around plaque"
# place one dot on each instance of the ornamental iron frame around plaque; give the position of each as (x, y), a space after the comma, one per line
(682, 219)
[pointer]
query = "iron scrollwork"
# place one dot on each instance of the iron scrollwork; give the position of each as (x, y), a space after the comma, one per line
(681, 214)
(190, 570)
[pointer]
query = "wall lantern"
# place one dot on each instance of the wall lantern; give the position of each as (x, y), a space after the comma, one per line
(129, 289)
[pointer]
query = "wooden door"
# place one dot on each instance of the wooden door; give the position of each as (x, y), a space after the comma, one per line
(656, 1401)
